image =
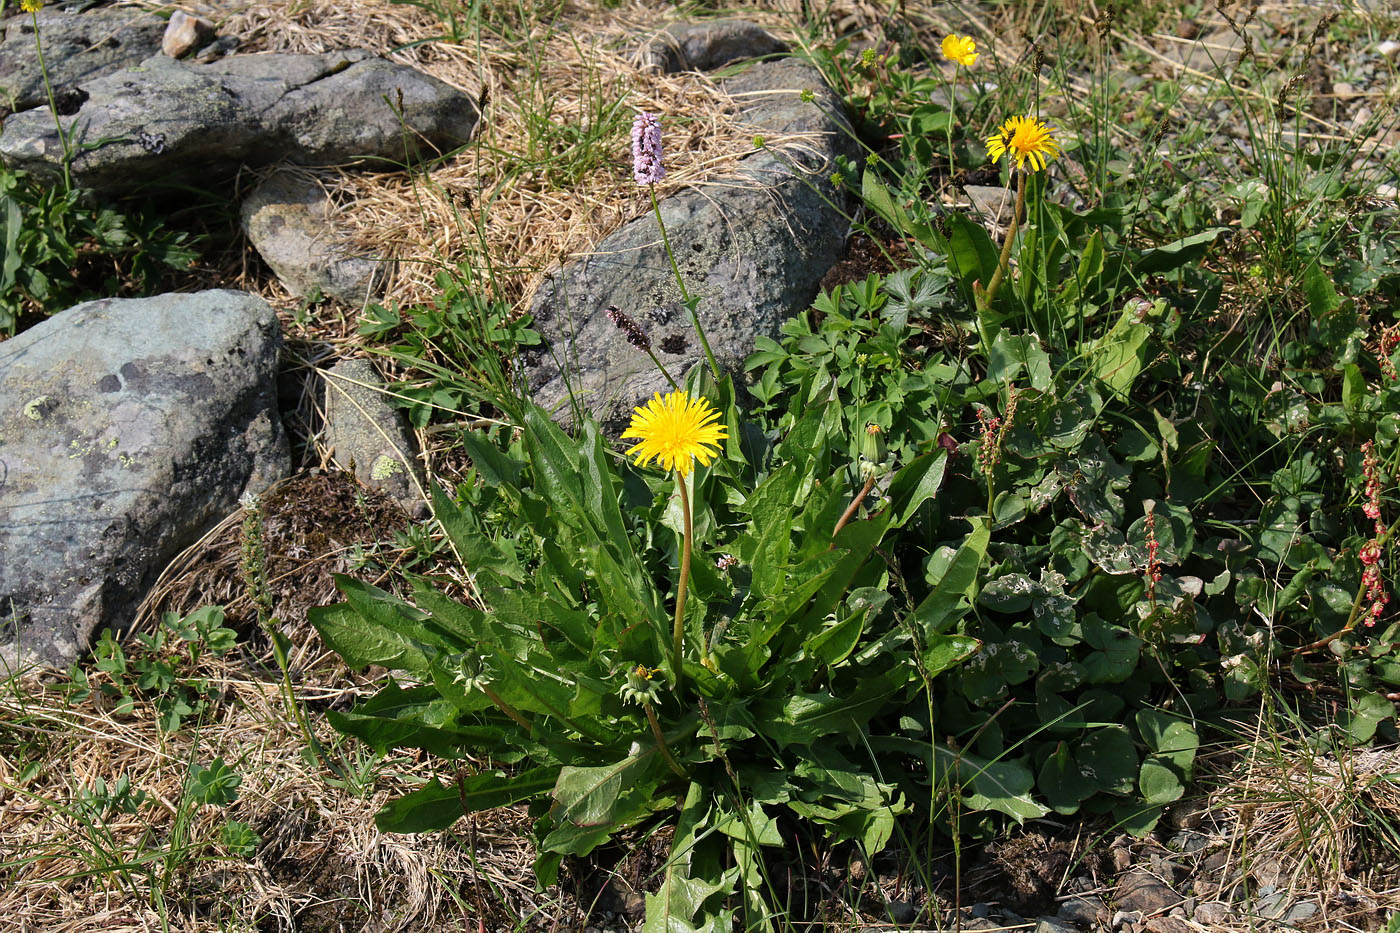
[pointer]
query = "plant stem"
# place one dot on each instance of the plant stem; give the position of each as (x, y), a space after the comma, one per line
(851, 509)
(661, 745)
(506, 708)
(53, 105)
(1004, 261)
(678, 630)
(680, 283)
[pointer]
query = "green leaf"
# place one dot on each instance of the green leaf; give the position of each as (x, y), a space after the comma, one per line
(807, 717)
(437, 806)
(949, 600)
(1178, 253)
(915, 484)
(973, 256)
(1158, 782)
(361, 644)
(1321, 295)
(1117, 357)
(1108, 760)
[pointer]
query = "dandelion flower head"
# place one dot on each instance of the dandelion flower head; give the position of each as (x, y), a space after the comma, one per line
(675, 430)
(648, 166)
(1026, 139)
(31, 6)
(960, 49)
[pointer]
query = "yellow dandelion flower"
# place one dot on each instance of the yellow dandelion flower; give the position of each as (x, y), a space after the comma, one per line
(1027, 140)
(960, 49)
(675, 431)
(31, 6)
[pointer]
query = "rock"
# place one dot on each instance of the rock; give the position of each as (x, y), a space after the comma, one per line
(1216, 49)
(1054, 925)
(901, 912)
(290, 221)
(992, 204)
(127, 429)
(1212, 914)
(1169, 925)
(707, 46)
(224, 45)
(1303, 910)
(184, 32)
(370, 435)
(753, 248)
(1142, 891)
(1084, 910)
(1390, 49)
(78, 48)
(1344, 91)
(167, 120)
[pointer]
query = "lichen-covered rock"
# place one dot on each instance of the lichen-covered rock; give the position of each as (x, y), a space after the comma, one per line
(127, 429)
(369, 434)
(707, 46)
(753, 246)
(78, 47)
(291, 223)
(166, 120)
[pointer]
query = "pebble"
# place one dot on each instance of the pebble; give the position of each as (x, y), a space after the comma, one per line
(902, 911)
(184, 32)
(1052, 925)
(1212, 913)
(1142, 891)
(1273, 906)
(1084, 910)
(1390, 49)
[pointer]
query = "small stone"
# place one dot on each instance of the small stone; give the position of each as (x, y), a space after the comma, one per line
(1344, 91)
(1052, 925)
(365, 430)
(184, 33)
(1187, 815)
(1390, 49)
(1168, 925)
(290, 221)
(1300, 911)
(1122, 859)
(902, 911)
(1142, 891)
(224, 45)
(1212, 913)
(993, 204)
(858, 869)
(981, 910)
(1088, 911)
(1267, 873)
(1273, 906)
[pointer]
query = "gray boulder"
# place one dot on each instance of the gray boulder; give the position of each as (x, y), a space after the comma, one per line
(369, 435)
(706, 46)
(77, 48)
(290, 221)
(127, 429)
(167, 120)
(753, 246)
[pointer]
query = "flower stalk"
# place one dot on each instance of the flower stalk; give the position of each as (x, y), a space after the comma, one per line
(687, 544)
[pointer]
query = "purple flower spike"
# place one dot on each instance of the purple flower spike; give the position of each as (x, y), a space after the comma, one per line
(647, 167)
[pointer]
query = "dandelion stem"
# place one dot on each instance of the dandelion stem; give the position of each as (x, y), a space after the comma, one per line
(851, 509)
(661, 745)
(53, 105)
(1004, 261)
(678, 630)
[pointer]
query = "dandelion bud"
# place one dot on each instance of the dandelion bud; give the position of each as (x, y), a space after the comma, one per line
(872, 445)
(647, 164)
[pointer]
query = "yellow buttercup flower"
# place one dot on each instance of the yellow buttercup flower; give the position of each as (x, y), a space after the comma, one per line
(31, 6)
(960, 49)
(1027, 140)
(675, 430)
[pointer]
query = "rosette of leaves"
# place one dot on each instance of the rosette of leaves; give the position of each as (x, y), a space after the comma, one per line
(796, 655)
